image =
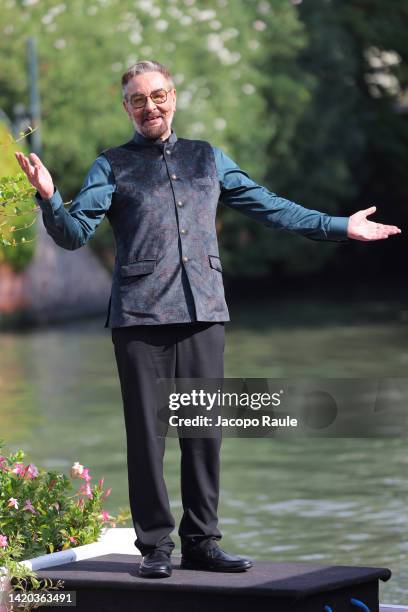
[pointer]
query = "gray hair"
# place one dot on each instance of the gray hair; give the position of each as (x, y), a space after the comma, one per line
(142, 67)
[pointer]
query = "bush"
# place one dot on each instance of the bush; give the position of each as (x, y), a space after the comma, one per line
(37, 514)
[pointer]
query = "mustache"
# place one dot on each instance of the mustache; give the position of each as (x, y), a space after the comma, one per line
(151, 116)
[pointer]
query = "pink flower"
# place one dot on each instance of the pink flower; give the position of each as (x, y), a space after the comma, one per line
(19, 469)
(80, 503)
(100, 482)
(32, 471)
(107, 493)
(85, 489)
(104, 516)
(85, 475)
(72, 539)
(29, 506)
(12, 503)
(3, 463)
(3, 541)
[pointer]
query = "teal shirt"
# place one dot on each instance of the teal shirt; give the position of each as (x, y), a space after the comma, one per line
(72, 228)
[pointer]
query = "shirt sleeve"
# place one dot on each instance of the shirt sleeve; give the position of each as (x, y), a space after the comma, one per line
(240, 192)
(73, 228)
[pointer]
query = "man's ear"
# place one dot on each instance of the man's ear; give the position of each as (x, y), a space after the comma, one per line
(175, 98)
(125, 106)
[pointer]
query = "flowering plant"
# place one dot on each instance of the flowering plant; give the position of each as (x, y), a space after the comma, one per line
(38, 516)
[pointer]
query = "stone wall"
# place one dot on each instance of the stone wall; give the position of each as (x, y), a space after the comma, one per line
(58, 284)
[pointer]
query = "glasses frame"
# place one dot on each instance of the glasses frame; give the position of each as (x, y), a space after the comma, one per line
(129, 98)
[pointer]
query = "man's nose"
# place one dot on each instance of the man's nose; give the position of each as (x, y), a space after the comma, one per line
(150, 105)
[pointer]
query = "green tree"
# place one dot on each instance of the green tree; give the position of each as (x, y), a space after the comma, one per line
(349, 149)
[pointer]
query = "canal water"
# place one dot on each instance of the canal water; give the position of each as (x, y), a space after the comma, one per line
(339, 501)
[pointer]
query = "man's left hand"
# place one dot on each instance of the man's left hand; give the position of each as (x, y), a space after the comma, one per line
(360, 228)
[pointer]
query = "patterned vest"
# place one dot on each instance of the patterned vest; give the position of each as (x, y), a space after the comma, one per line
(167, 267)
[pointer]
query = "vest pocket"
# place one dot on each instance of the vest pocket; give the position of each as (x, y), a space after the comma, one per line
(136, 268)
(215, 262)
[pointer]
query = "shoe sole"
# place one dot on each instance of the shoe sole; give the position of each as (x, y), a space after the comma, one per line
(193, 565)
(155, 574)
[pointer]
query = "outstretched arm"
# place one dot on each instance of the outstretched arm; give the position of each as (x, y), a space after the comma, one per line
(71, 228)
(240, 192)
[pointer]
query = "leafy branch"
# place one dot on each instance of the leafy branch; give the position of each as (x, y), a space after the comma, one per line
(30, 130)
(16, 201)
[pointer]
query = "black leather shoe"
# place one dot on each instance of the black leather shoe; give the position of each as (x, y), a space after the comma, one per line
(213, 559)
(156, 564)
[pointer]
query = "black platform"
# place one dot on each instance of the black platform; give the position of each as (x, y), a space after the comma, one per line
(111, 583)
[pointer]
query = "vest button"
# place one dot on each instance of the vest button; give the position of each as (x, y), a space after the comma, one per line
(173, 176)
(185, 259)
(168, 151)
(183, 232)
(180, 203)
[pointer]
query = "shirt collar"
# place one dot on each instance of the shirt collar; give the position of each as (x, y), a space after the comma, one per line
(139, 139)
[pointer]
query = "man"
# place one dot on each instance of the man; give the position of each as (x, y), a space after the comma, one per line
(167, 309)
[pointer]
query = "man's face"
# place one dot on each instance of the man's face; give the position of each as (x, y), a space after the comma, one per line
(153, 120)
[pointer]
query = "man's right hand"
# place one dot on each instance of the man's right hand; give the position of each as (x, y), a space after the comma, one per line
(37, 174)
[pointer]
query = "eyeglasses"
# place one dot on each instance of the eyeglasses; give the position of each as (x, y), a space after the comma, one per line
(158, 97)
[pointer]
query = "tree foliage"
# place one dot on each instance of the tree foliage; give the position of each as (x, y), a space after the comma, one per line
(349, 150)
(303, 95)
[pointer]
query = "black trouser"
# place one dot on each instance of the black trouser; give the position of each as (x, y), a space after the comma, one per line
(143, 354)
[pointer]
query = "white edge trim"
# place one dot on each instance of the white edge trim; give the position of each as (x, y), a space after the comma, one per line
(112, 540)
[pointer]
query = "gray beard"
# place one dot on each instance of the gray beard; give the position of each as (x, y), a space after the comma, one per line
(155, 131)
